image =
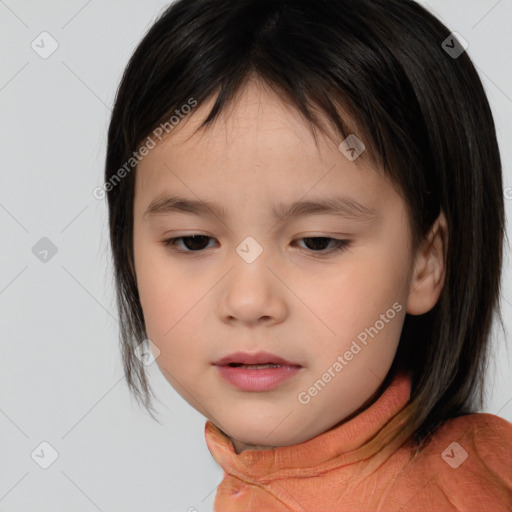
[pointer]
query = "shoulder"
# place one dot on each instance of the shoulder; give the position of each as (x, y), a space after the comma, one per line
(469, 458)
(465, 465)
(486, 436)
(481, 439)
(483, 423)
(479, 424)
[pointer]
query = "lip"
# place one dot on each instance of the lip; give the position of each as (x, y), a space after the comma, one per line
(252, 379)
(256, 358)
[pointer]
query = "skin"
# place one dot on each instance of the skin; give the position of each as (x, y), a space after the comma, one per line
(296, 300)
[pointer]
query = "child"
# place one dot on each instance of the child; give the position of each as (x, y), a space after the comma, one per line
(338, 161)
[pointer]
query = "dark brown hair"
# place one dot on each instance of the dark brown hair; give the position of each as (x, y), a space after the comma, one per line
(421, 111)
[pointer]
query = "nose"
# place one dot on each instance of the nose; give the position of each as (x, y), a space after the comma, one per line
(253, 293)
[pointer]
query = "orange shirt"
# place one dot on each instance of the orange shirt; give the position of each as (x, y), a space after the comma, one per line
(466, 466)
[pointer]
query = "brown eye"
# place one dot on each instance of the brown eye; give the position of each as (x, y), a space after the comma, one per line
(197, 243)
(317, 243)
(192, 243)
(320, 243)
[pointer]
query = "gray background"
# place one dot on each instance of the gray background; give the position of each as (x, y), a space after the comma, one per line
(61, 373)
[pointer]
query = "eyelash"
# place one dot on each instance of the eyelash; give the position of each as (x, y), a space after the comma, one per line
(340, 245)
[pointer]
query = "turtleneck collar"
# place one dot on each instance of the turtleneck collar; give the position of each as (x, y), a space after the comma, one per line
(347, 443)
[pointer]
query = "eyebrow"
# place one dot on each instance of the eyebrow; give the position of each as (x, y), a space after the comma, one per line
(338, 206)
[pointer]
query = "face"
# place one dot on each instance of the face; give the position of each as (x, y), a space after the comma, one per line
(236, 278)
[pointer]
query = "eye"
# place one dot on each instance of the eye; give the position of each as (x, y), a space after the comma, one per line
(318, 242)
(197, 243)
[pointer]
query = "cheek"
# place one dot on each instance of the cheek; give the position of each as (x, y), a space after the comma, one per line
(158, 287)
(352, 297)
(172, 306)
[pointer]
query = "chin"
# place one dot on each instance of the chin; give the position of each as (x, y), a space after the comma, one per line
(260, 433)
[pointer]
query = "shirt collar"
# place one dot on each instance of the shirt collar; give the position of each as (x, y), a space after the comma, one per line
(346, 443)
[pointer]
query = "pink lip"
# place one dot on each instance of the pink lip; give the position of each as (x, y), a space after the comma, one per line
(257, 358)
(251, 379)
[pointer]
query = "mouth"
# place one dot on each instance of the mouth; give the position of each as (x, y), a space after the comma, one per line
(256, 372)
(255, 361)
(254, 366)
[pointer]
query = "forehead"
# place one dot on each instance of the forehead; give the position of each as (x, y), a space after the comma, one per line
(257, 112)
(259, 143)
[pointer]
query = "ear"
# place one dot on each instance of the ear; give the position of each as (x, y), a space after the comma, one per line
(429, 269)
